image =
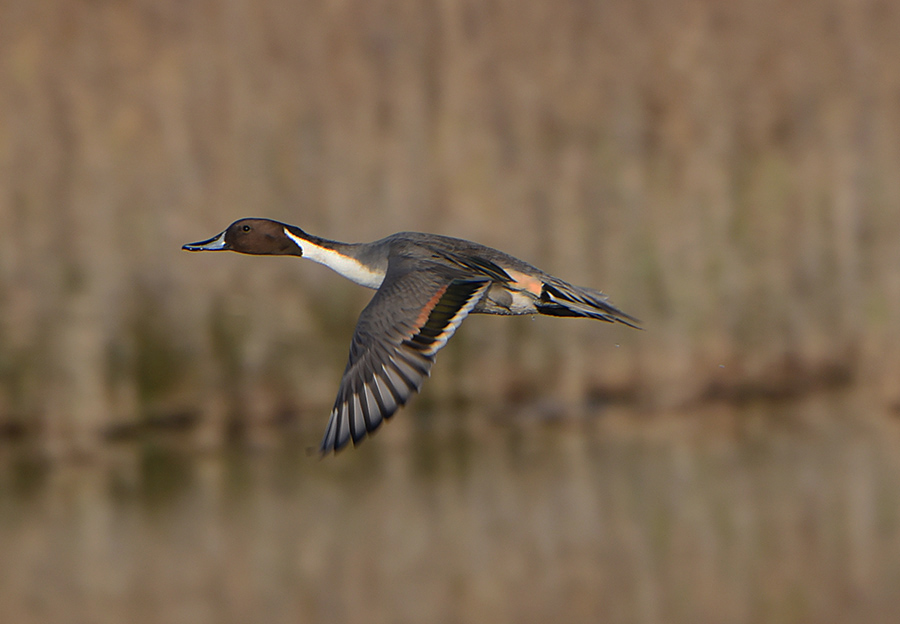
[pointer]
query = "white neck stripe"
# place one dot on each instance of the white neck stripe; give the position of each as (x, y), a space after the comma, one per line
(350, 268)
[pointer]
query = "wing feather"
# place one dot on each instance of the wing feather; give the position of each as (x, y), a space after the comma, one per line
(408, 321)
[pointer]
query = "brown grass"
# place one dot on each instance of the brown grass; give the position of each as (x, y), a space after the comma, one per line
(726, 171)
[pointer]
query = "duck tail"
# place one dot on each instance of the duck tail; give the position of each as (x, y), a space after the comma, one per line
(563, 299)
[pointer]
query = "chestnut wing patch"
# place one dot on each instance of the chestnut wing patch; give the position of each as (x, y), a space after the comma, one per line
(393, 349)
(447, 312)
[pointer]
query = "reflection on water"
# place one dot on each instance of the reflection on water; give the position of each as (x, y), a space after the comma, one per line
(788, 514)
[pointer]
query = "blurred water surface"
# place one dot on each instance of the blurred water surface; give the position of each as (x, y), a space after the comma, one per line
(784, 513)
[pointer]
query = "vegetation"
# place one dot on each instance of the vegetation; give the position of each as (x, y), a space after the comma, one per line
(726, 171)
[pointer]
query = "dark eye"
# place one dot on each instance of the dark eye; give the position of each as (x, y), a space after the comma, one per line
(246, 228)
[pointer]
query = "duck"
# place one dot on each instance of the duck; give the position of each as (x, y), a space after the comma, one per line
(425, 286)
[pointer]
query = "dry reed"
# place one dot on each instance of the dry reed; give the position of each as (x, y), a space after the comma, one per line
(727, 171)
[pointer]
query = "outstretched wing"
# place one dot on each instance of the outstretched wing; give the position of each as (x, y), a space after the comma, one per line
(410, 318)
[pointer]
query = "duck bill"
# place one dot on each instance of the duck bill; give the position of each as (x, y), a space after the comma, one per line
(216, 243)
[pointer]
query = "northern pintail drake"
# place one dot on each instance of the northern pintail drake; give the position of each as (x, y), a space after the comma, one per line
(426, 285)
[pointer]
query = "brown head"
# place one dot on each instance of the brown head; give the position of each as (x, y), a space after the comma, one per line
(252, 236)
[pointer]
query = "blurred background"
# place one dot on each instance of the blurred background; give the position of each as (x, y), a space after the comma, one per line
(726, 172)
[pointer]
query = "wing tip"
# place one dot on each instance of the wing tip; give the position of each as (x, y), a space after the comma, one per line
(361, 414)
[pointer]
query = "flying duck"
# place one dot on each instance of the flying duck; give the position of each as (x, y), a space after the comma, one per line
(425, 285)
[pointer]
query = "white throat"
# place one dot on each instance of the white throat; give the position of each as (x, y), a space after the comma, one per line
(351, 268)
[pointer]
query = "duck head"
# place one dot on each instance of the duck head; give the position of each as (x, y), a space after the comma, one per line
(253, 236)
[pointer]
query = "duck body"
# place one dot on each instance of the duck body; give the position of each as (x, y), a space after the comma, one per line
(515, 287)
(426, 285)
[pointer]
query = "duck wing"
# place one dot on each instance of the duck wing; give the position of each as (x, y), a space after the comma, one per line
(412, 315)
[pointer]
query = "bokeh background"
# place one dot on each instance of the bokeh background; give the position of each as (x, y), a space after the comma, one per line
(727, 172)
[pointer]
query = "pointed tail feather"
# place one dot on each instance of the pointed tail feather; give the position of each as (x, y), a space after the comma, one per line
(562, 299)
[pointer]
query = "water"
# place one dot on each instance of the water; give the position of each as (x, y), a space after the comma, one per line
(784, 513)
